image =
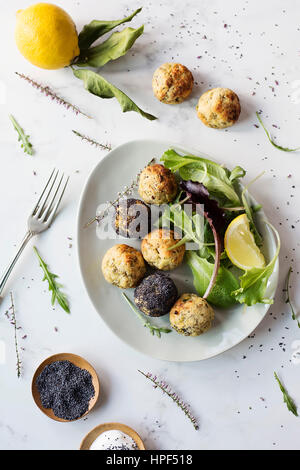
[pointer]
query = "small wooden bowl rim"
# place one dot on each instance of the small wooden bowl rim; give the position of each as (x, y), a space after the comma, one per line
(94, 433)
(77, 361)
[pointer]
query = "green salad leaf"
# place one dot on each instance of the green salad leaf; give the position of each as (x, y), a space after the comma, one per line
(97, 85)
(237, 173)
(213, 176)
(95, 29)
(253, 283)
(114, 47)
(202, 271)
(286, 397)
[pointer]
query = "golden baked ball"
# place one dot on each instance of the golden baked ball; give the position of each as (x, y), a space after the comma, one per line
(191, 315)
(219, 108)
(123, 266)
(156, 250)
(172, 83)
(157, 185)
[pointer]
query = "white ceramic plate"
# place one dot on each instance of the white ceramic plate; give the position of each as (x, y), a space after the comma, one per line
(231, 326)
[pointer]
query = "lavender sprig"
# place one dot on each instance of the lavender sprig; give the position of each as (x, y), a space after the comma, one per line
(167, 389)
(47, 91)
(11, 315)
(127, 191)
(288, 299)
(92, 141)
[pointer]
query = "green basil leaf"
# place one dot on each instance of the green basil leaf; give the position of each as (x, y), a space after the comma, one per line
(94, 30)
(254, 282)
(212, 175)
(114, 47)
(97, 85)
(202, 271)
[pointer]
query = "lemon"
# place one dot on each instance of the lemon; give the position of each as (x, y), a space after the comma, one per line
(240, 245)
(46, 36)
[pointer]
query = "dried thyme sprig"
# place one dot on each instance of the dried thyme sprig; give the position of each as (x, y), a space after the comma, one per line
(167, 389)
(22, 137)
(154, 330)
(92, 141)
(126, 192)
(47, 91)
(284, 149)
(288, 298)
(286, 397)
(11, 315)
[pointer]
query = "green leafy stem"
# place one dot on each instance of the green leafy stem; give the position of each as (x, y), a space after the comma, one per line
(152, 328)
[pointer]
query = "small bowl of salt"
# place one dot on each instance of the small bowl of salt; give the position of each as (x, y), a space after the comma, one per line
(112, 436)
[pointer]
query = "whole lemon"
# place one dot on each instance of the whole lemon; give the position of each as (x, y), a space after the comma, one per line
(46, 36)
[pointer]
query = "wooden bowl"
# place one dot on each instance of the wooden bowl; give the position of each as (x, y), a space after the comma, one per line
(94, 433)
(77, 361)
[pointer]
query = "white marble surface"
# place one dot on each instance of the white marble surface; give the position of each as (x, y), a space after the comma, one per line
(258, 46)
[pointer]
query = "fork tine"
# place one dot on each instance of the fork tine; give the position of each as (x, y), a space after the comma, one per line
(54, 210)
(43, 192)
(41, 209)
(47, 211)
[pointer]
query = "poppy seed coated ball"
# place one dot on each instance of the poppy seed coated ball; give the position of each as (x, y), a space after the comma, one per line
(156, 295)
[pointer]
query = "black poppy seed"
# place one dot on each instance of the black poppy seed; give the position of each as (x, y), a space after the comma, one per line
(66, 389)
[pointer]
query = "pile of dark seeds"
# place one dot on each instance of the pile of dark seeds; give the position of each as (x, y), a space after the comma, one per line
(66, 389)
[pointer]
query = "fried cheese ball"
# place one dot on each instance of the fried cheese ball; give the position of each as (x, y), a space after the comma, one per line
(191, 315)
(132, 218)
(156, 295)
(156, 250)
(157, 185)
(172, 83)
(219, 108)
(123, 266)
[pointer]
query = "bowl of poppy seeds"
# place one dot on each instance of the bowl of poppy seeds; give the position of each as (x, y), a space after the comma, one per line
(65, 387)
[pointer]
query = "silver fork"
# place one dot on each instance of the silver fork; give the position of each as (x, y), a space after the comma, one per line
(42, 215)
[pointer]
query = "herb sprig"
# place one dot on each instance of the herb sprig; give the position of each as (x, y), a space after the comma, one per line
(167, 389)
(11, 315)
(286, 397)
(288, 298)
(284, 149)
(22, 137)
(47, 91)
(92, 141)
(126, 192)
(54, 286)
(153, 329)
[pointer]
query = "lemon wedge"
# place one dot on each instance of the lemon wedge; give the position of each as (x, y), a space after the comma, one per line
(240, 245)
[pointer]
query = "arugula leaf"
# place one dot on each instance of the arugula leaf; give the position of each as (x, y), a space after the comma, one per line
(254, 281)
(152, 328)
(286, 397)
(284, 149)
(97, 85)
(249, 211)
(95, 29)
(288, 298)
(212, 175)
(22, 137)
(114, 47)
(226, 282)
(54, 286)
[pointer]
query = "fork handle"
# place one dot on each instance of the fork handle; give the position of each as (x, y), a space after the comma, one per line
(6, 274)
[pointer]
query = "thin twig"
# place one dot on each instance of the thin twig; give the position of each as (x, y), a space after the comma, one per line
(167, 389)
(92, 141)
(13, 321)
(47, 91)
(126, 192)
